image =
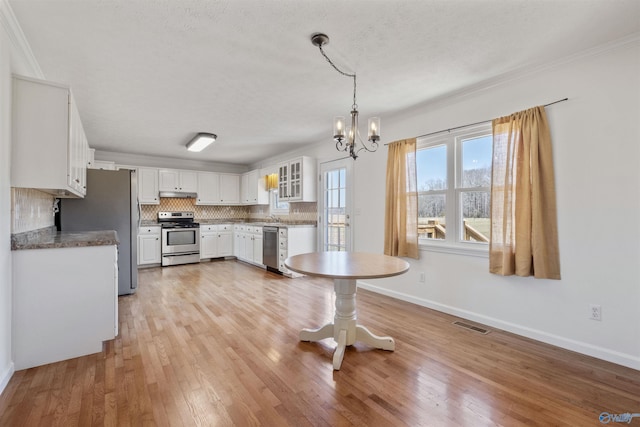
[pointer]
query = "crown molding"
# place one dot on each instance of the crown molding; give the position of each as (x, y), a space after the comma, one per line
(23, 60)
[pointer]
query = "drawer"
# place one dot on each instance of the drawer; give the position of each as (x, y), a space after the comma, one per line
(205, 228)
(225, 227)
(149, 230)
(282, 267)
(282, 232)
(283, 244)
(283, 255)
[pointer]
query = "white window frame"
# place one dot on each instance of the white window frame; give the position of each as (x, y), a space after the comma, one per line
(273, 204)
(453, 242)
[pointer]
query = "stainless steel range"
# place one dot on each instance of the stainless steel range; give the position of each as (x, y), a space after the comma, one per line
(180, 238)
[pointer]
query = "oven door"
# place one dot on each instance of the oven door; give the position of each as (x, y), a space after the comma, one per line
(180, 241)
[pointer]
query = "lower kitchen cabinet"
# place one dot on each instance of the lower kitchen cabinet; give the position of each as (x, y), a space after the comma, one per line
(248, 243)
(294, 241)
(149, 245)
(65, 303)
(216, 241)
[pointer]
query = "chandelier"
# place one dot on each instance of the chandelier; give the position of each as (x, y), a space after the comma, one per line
(350, 141)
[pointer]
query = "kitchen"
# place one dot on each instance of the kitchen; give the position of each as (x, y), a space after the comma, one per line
(154, 94)
(162, 217)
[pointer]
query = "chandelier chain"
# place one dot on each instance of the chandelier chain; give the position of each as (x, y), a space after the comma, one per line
(355, 105)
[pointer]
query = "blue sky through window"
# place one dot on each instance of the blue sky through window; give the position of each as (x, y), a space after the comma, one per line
(432, 163)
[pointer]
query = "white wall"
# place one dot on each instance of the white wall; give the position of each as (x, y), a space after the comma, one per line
(15, 57)
(6, 363)
(596, 139)
(165, 162)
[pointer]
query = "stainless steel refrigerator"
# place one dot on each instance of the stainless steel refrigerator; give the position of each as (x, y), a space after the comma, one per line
(111, 203)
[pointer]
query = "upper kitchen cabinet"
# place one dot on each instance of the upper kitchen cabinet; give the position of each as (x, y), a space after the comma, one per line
(229, 188)
(148, 186)
(253, 190)
(208, 188)
(297, 180)
(177, 180)
(49, 150)
(218, 189)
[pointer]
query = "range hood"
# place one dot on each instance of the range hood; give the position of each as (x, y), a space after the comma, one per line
(178, 194)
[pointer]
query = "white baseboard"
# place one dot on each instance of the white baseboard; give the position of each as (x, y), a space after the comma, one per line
(6, 376)
(609, 355)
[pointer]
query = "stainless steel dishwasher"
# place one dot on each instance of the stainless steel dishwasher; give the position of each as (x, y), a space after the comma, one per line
(270, 248)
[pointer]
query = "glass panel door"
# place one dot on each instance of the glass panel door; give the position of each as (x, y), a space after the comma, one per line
(335, 209)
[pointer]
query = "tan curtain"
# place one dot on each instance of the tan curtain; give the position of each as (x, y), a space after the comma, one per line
(401, 208)
(524, 231)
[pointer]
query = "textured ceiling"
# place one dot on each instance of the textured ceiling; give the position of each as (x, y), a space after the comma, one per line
(147, 75)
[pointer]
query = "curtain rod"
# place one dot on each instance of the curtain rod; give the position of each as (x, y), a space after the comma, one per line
(476, 123)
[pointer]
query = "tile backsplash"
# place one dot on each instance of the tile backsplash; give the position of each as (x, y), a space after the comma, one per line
(150, 212)
(303, 211)
(298, 211)
(30, 210)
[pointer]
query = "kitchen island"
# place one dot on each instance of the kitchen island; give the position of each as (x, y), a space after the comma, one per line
(65, 294)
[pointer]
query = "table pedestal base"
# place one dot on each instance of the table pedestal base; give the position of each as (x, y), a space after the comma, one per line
(344, 329)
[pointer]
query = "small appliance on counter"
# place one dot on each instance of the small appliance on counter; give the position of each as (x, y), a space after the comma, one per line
(180, 238)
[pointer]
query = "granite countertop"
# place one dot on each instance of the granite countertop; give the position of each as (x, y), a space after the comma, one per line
(257, 222)
(49, 238)
(287, 224)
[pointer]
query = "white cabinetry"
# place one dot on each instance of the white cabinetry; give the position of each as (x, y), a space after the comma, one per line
(297, 180)
(149, 245)
(257, 245)
(294, 241)
(148, 186)
(239, 241)
(208, 188)
(253, 189)
(65, 303)
(49, 150)
(218, 189)
(177, 180)
(229, 188)
(216, 241)
(248, 243)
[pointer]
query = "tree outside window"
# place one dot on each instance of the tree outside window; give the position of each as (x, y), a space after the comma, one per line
(454, 180)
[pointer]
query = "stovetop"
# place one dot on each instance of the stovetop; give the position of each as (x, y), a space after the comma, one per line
(176, 224)
(182, 219)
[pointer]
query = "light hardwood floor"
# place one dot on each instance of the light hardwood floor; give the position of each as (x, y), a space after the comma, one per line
(216, 344)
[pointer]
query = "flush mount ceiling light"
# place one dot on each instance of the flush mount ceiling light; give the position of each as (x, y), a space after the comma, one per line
(348, 143)
(201, 141)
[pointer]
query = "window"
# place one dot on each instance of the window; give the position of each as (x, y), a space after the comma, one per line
(276, 206)
(454, 187)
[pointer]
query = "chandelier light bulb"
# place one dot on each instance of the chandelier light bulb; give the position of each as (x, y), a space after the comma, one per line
(374, 129)
(338, 128)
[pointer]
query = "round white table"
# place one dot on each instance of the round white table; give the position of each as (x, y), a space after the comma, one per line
(345, 268)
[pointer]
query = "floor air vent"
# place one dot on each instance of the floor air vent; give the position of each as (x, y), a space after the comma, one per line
(471, 327)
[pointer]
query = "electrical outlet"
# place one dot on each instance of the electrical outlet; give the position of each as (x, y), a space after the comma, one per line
(595, 312)
(423, 277)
